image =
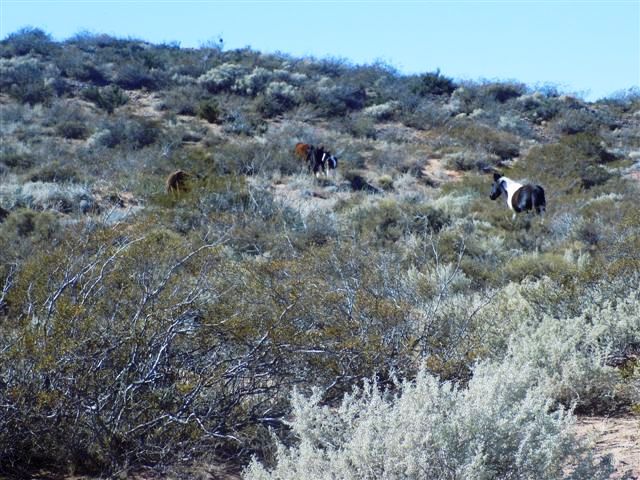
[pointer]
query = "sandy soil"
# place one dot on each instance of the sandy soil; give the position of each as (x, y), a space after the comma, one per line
(435, 171)
(619, 437)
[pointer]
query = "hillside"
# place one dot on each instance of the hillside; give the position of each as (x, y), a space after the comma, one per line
(387, 320)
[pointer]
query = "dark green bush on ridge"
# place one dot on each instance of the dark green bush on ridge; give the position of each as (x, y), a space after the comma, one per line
(434, 83)
(27, 41)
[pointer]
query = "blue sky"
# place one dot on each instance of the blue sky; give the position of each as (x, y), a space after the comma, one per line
(589, 48)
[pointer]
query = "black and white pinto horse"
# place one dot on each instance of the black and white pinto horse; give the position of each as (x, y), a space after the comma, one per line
(321, 161)
(520, 197)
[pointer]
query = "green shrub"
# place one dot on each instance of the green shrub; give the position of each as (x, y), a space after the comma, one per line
(361, 126)
(480, 137)
(134, 133)
(389, 221)
(18, 161)
(183, 100)
(574, 121)
(427, 114)
(71, 129)
(503, 92)
(336, 100)
(24, 79)
(86, 72)
(241, 122)
(210, 111)
(385, 182)
(571, 164)
(277, 98)
(535, 265)
(433, 83)
(136, 76)
(40, 228)
(27, 41)
(55, 172)
(74, 352)
(539, 108)
(107, 98)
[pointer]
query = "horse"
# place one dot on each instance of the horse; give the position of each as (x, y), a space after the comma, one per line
(322, 160)
(302, 150)
(331, 162)
(177, 182)
(520, 197)
(317, 158)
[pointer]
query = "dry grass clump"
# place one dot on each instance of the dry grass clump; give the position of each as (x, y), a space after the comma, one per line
(39, 195)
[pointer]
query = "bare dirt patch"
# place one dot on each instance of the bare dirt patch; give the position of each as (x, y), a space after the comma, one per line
(615, 436)
(438, 174)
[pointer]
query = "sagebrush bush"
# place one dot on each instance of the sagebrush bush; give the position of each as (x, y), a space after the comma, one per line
(572, 121)
(49, 196)
(183, 100)
(25, 79)
(479, 137)
(336, 100)
(137, 75)
(577, 353)
(501, 426)
(108, 98)
(133, 133)
(26, 228)
(538, 107)
(388, 221)
(426, 114)
(222, 77)
(74, 63)
(15, 160)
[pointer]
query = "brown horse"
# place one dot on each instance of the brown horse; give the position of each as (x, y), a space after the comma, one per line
(177, 182)
(303, 150)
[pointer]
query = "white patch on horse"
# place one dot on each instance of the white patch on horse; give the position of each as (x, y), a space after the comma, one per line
(511, 186)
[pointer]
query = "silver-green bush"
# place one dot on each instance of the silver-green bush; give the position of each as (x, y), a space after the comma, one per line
(501, 426)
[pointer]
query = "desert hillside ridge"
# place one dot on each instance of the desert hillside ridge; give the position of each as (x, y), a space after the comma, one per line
(187, 292)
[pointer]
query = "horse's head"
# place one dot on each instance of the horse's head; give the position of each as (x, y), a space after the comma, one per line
(497, 188)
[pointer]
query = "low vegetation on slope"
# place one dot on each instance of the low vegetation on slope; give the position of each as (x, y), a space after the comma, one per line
(409, 313)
